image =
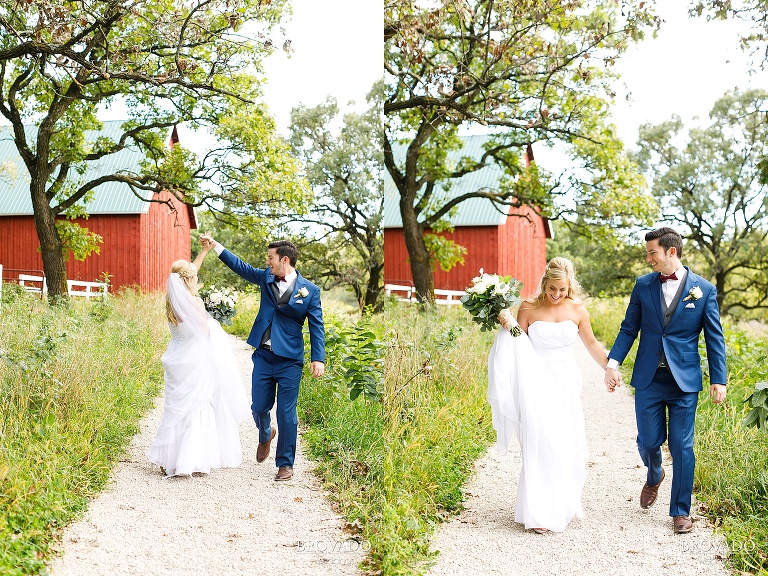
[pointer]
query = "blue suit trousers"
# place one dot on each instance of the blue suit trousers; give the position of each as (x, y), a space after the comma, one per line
(276, 376)
(652, 404)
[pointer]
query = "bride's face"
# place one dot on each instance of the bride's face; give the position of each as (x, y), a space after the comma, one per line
(557, 291)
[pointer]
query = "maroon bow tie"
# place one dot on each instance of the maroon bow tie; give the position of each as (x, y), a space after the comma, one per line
(280, 279)
(663, 278)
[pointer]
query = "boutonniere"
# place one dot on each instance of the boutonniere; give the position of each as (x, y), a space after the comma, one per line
(694, 294)
(302, 293)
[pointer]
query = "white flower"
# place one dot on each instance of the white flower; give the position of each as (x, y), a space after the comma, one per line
(501, 289)
(694, 294)
(302, 293)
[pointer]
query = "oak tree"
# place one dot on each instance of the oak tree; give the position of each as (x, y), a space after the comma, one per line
(525, 71)
(714, 188)
(64, 62)
(343, 234)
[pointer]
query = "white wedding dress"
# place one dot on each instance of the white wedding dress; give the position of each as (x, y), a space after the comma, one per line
(204, 399)
(534, 388)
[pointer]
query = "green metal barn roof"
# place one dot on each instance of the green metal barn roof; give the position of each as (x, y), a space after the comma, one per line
(109, 198)
(472, 212)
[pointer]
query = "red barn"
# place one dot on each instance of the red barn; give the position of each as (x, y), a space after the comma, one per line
(141, 239)
(511, 243)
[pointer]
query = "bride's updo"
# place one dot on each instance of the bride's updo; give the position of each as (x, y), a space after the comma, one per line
(188, 274)
(558, 268)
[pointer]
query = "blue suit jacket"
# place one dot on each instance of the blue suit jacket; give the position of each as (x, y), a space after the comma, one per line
(679, 340)
(288, 321)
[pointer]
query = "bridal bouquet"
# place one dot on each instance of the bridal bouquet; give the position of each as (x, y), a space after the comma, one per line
(488, 296)
(220, 303)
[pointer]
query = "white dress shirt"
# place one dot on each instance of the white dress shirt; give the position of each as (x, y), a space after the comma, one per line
(669, 288)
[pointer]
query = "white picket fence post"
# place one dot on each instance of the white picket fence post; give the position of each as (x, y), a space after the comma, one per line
(441, 296)
(78, 288)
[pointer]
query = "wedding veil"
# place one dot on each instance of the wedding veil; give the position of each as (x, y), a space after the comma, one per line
(189, 311)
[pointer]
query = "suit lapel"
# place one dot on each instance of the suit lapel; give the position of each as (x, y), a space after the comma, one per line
(297, 286)
(271, 287)
(690, 280)
(655, 288)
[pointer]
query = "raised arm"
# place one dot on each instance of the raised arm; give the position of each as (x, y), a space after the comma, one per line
(206, 247)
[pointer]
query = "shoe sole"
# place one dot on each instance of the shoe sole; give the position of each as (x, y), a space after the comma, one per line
(283, 479)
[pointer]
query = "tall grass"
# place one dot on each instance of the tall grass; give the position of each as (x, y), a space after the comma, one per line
(397, 467)
(73, 385)
(731, 477)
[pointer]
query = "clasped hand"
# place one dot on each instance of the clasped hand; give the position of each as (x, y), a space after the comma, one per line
(612, 379)
(206, 241)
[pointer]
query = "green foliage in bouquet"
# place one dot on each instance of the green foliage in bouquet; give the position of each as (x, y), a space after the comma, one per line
(488, 296)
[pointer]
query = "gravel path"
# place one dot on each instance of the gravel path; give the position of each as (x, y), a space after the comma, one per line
(615, 536)
(235, 521)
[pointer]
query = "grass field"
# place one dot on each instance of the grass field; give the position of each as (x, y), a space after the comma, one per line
(73, 386)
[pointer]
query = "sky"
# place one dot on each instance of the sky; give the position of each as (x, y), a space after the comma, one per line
(338, 49)
(684, 70)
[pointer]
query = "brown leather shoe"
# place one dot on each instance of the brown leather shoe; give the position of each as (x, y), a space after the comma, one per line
(284, 473)
(262, 452)
(648, 493)
(683, 524)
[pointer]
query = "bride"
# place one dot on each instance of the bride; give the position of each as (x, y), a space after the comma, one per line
(204, 395)
(534, 388)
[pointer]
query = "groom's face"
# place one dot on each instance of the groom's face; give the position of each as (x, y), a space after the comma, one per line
(659, 260)
(277, 264)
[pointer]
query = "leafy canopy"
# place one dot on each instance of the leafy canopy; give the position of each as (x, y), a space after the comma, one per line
(63, 63)
(525, 71)
(714, 188)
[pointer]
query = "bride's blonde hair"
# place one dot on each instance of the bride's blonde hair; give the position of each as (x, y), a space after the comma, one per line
(188, 274)
(558, 268)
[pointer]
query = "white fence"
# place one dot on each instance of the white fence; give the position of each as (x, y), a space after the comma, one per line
(405, 293)
(86, 290)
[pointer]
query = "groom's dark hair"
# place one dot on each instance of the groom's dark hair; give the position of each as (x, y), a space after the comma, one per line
(286, 248)
(667, 237)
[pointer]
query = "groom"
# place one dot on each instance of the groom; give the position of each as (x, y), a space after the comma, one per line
(669, 307)
(287, 300)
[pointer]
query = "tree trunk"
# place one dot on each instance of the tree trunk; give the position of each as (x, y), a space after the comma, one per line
(54, 266)
(720, 285)
(373, 290)
(421, 264)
